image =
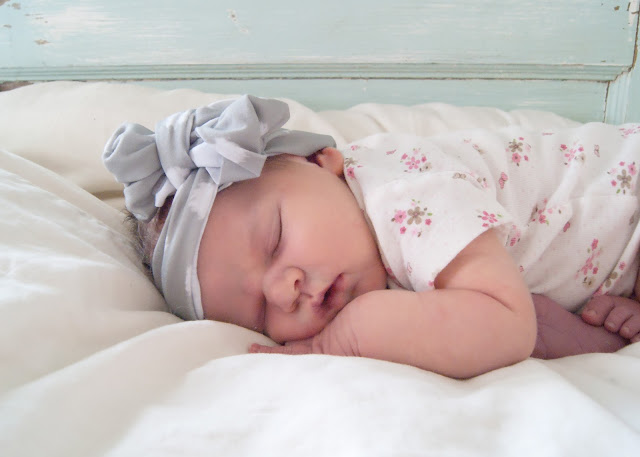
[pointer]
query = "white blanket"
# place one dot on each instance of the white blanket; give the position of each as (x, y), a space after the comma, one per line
(91, 364)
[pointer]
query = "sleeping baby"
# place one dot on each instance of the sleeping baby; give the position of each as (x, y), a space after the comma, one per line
(458, 254)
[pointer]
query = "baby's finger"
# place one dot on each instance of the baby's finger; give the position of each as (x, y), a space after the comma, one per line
(631, 327)
(617, 318)
(597, 309)
(290, 350)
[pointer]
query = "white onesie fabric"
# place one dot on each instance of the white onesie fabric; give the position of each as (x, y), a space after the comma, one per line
(565, 202)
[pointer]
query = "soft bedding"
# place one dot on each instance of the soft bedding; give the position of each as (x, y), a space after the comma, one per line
(92, 364)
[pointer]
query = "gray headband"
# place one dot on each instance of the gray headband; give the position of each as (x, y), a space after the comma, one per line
(193, 155)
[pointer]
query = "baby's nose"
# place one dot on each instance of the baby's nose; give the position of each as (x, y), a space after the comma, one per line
(282, 289)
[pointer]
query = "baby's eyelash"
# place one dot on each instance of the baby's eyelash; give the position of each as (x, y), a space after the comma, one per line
(279, 237)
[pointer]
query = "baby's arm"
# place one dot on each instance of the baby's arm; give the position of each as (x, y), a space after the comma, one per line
(480, 317)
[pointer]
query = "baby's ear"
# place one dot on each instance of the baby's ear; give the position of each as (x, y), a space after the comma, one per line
(330, 159)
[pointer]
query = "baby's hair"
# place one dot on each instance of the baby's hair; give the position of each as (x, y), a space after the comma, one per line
(145, 234)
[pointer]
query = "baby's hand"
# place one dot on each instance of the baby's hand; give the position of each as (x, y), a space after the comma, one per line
(290, 348)
(337, 338)
(617, 314)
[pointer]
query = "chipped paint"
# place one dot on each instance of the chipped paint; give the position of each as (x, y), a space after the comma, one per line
(234, 18)
(41, 42)
(7, 26)
(2, 2)
(632, 8)
(73, 21)
(16, 6)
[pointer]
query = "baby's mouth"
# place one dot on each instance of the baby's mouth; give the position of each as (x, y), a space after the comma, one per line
(331, 298)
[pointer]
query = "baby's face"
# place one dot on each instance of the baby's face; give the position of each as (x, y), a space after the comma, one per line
(282, 254)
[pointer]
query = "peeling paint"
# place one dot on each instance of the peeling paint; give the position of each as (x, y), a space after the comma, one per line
(2, 2)
(7, 26)
(16, 6)
(234, 18)
(72, 21)
(632, 8)
(41, 42)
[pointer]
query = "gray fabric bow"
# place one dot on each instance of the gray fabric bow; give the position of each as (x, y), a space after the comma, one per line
(192, 156)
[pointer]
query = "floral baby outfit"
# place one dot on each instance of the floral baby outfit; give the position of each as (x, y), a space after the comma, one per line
(566, 204)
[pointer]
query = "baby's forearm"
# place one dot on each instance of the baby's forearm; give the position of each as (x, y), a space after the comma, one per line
(458, 333)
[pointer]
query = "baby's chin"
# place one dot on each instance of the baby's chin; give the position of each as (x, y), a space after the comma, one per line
(300, 334)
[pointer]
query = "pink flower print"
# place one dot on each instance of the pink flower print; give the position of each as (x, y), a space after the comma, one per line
(573, 153)
(624, 178)
(622, 265)
(412, 216)
(514, 235)
(588, 265)
(596, 150)
(400, 216)
(590, 268)
(415, 161)
(626, 131)
(566, 226)
(393, 151)
(503, 179)
(412, 163)
(355, 147)
(350, 164)
(489, 219)
(473, 145)
(540, 214)
(516, 158)
(518, 148)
